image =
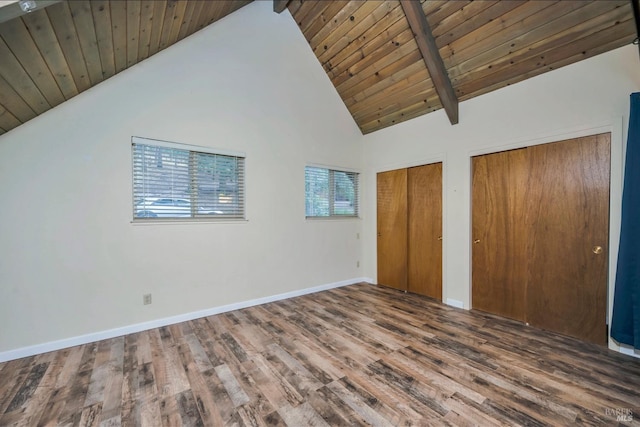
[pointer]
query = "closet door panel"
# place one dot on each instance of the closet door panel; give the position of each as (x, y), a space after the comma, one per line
(499, 233)
(392, 228)
(569, 217)
(424, 185)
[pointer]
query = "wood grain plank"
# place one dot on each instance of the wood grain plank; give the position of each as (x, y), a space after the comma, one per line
(312, 15)
(102, 20)
(99, 375)
(404, 69)
(378, 35)
(301, 415)
(118, 10)
(458, 17)
(416, 87)
(45, 38)
(167, 23)
(235, 391)
(601, 48)
(527, 15)
(357, 355)
(208, 11)
(16, 36)
(146, 26)
(7, 120)
(446, 10)
(197, 13)
(187, 18)
(337, 20)
(189, 409)
(363, 19)
(475, 20)
(334, 7)
(397, 114)
(517, 41)
(159, 9)
(548, 44)
(25, 101)
(202, 395)
(357, 405)
(86, 35)
(586, 47)
(178, 16)
(112, 401)
(64, 28)
(27, 389)
(133, 32)
(400, 46)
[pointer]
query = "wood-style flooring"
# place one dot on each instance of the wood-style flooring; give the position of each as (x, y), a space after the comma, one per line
(357, 355)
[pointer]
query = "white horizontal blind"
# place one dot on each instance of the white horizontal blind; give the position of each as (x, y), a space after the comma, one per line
(331, 193)
(170, 183)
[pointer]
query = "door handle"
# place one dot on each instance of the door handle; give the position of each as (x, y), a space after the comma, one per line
(597, 250)
(439, 237)
(476, 241)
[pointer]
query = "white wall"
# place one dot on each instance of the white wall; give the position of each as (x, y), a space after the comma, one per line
(585, 98)
(71, 261)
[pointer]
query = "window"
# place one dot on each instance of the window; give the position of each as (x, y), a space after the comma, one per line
(174, 182)
(330, 193)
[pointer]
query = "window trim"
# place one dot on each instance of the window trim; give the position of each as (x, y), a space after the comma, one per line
(180, 146)
(333, 217)
(191, 149)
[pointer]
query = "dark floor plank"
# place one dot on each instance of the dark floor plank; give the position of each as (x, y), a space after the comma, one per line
(356, 355)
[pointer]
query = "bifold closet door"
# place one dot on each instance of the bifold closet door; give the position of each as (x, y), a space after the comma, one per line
(499, 232)
(540, 221)
(424, 184)
(392, 228)
(569, 244)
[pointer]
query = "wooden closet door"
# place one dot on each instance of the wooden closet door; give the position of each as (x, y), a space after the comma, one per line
(499, 233)
(392, 228)
(424, 187)
(569, 217)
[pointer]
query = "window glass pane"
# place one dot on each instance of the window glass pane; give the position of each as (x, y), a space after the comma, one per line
(317, 191)
(344, 193)
(178, 183)
(218, 185)
(330, 193)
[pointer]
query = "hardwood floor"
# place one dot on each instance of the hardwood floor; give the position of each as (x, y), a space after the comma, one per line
(358, 355)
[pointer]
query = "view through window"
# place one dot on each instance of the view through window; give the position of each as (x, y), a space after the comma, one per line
(177, 183)
(330, 193)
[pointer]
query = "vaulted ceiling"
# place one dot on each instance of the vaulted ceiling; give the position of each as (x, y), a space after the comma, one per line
(389, 60)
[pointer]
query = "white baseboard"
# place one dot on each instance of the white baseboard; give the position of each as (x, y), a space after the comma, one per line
(455, 303)
(625, 349)
(139, 327)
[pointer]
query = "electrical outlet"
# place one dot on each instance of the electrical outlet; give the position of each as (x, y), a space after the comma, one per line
(358, 264)
(357, 235)
(146, 299)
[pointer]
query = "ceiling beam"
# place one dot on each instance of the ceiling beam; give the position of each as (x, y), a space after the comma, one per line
(280, 5)
(432, 59)
(10, 9)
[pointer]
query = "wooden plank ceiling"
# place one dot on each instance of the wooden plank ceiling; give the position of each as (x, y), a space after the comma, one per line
(371, 55)
(52, 54)
(367, 48)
